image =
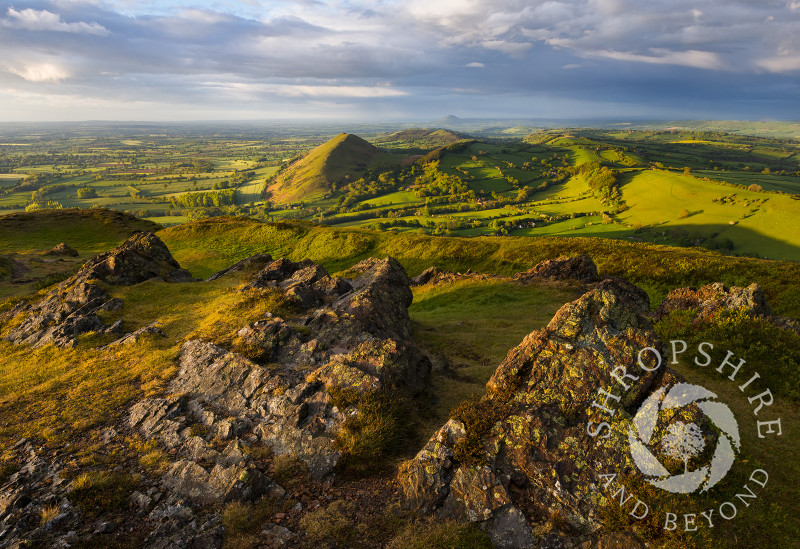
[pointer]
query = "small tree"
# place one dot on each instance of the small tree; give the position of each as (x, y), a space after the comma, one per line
(683, 442)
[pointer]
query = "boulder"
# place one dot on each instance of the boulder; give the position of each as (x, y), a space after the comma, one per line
(580, 268)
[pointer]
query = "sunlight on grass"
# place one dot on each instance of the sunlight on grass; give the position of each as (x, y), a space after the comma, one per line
(473, 324)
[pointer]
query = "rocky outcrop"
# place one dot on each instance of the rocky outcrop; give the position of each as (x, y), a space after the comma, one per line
(142, 257)
(434, 275)
(304, 282)
(62, 249)
(249, 264)
(580, 268)
(714, 297)
(522, 453)
(351, 334)
(72, 308)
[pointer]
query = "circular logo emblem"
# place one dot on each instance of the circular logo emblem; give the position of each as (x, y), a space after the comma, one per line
(683, 441)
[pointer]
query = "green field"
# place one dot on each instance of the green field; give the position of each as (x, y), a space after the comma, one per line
(690, 187)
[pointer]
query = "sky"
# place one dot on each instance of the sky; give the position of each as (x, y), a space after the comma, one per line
(64, 60)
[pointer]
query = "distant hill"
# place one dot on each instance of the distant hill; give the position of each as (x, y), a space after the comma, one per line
(451, 120)
(423, 138)
(344, 158)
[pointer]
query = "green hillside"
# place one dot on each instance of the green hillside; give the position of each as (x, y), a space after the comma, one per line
(345, 157)
(207, 246)
(420, 139)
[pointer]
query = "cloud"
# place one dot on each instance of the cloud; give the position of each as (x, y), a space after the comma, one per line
(43, 20)
(781, 63)
(40, 72)
(310, 90)
(411, 55)
(690, 58)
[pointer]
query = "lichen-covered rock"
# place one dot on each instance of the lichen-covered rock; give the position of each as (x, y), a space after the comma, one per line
(36, 484)
(580, 268)
(142, 257)
(304, 282)
(61, 316)
(71, 308)
(275, 389)
(714, 297)
(534, 451)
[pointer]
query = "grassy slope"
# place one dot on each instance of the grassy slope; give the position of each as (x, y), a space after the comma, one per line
(473, 324)
(344, 155)
(23, 236)
(770, 221)
(88, 231)
(207, 246)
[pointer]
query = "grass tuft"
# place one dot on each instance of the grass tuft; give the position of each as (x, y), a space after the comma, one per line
(103, 491)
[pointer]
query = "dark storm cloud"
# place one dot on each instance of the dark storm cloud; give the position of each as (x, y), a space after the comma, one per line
(410, 57)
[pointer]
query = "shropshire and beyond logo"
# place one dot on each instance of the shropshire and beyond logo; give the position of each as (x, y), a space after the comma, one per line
(682, 439)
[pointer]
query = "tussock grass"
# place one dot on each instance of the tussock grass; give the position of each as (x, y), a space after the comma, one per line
(103, 491)
(440, 534)
(384, 428)
(243, 522)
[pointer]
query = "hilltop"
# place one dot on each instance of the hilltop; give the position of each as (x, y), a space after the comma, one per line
(286, 400)
(421, 138)
(344, 158)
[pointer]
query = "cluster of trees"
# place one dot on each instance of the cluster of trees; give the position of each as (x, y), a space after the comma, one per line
(36, 181)
(49, 205)
(438, 183)
(602, 180)
(366, 187)
(87, 192)
(226, 197)
(39, 194)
